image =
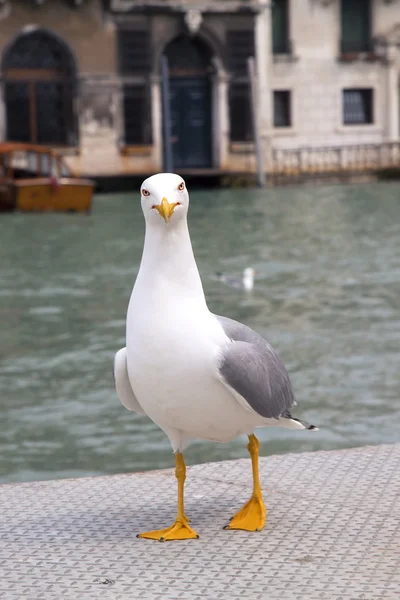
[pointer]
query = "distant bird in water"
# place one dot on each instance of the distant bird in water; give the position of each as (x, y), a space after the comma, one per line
(246, 282)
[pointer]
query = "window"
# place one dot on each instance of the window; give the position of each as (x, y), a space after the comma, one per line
(280, 27)
(137, 115)
(134, 52)
(135, 62)
(355, 18)
(357, 106)
(240, 46)
(240, 113)
(39, 80)
(282, 109)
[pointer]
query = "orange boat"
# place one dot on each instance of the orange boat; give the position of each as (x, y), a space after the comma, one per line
(36, 178)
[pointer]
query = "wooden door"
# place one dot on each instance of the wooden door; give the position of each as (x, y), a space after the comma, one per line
(190, 99)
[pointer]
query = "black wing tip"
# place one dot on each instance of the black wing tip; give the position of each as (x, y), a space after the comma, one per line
(312, 428)
(307, 425)
(304, 423)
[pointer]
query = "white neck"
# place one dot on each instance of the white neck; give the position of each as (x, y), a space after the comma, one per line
(168, 262)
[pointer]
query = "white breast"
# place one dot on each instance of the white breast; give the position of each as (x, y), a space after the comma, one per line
(172, 365)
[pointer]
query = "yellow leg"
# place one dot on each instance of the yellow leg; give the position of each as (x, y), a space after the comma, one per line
(253, 514)
(181, 529)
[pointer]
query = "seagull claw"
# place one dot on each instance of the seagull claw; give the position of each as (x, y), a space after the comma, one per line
(180, 530)
(251, 517)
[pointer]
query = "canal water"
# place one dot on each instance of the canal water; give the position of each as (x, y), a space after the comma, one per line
(327, 295)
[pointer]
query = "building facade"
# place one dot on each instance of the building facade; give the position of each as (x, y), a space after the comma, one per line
(335, 73)
(85, 76)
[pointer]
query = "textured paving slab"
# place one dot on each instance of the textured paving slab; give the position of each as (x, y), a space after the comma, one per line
(332, 533)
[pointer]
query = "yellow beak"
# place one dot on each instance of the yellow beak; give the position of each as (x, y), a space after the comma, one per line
(166, 209)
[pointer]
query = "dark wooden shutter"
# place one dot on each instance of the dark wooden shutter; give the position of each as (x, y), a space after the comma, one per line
(280, 27)
(137, 114)
(239, 112)
(355, 18)
(134, 52)
(240, 46)
(17, 100)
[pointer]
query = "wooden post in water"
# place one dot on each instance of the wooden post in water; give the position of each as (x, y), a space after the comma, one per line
(166, 117)
(255, 120)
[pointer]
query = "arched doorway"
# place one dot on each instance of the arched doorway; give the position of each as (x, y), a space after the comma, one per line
(39, 76)
(190, 71)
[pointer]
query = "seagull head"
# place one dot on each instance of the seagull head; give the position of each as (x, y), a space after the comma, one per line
(164, 198)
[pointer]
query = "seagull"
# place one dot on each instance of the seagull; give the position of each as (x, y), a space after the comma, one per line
(195, 374)
(246, 282)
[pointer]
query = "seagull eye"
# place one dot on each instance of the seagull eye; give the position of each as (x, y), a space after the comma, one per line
(181, 186)
(145, 192)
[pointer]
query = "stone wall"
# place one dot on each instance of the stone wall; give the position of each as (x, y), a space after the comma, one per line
(100, 125)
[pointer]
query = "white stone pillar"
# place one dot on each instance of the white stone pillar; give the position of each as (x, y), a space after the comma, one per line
(223, 119)
(392, 96)
(215, 127)
(156, 119)
(263, 44)
(3, 115)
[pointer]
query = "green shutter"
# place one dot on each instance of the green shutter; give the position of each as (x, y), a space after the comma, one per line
(355, 25)
(280, 27)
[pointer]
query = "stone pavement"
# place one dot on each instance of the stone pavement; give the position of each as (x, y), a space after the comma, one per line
(332, 533)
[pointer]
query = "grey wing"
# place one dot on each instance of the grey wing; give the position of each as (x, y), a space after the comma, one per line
(123, 385)
(253, 369)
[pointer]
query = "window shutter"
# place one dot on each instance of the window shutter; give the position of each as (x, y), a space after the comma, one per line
(134, 52)
(137, 114)
(239, 113)
(355, 26)
(240, 46)
(280, 27)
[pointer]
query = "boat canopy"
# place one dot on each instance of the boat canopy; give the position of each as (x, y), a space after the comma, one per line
(19, 160)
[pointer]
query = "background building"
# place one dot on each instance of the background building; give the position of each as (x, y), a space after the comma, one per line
(335, 71)
(84, 76)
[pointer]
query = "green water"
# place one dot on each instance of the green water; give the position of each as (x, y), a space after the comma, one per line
(327, 296)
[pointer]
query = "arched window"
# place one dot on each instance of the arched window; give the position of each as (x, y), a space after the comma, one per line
(39, 77)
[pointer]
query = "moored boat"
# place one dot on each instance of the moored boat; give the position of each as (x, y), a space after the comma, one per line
(37, 178)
